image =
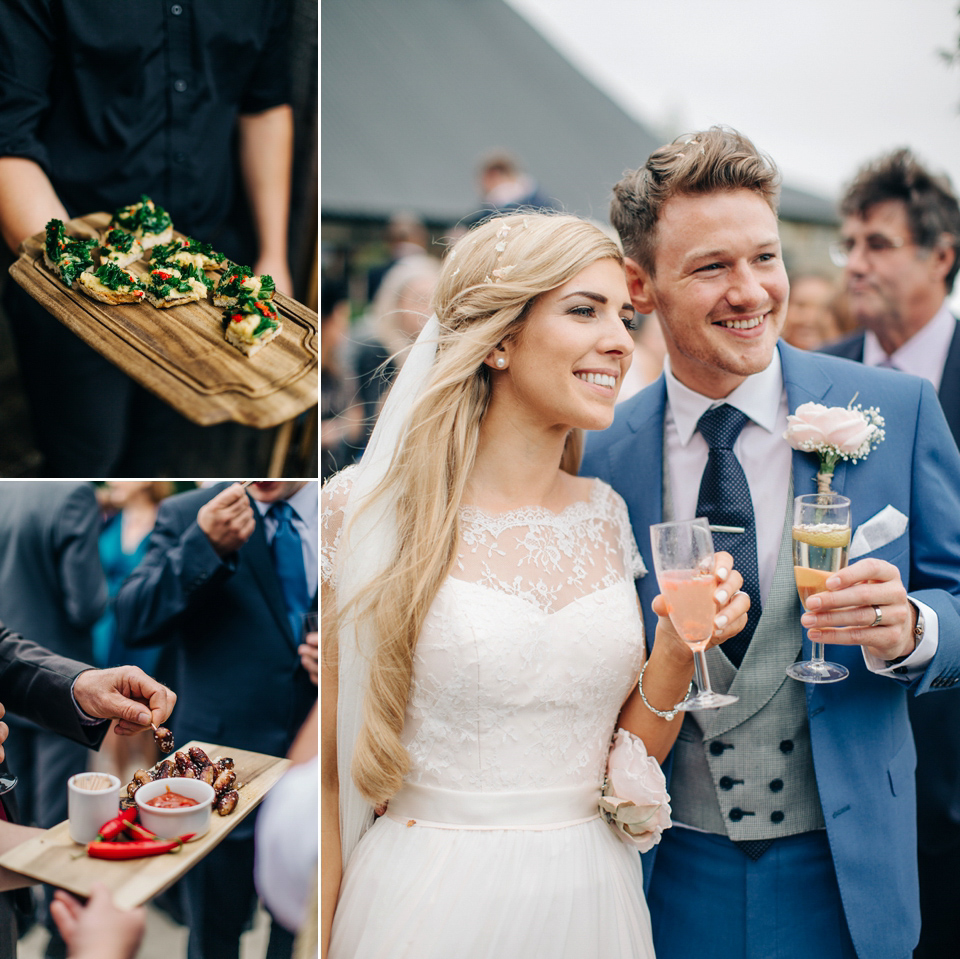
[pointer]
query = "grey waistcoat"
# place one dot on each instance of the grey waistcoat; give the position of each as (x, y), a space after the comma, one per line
(746, 770)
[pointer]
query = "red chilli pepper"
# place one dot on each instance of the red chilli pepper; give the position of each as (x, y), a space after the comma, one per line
(135, 850)
(138, 831)
(162, 275)
(113, 828)
(237, 317)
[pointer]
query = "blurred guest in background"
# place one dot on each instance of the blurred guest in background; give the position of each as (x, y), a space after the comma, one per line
(811, 320)
(52, 590)
(899, 243)
(341, 421)
(401, 308)
(505, 188)
(406, 236)
(900, 249)
(131, 510)
(228, 578)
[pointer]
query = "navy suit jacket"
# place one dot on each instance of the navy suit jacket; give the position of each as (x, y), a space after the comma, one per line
(230, 654)
(862, 745)
(935, 719)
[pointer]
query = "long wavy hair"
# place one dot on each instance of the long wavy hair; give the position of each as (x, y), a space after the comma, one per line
(488, 281)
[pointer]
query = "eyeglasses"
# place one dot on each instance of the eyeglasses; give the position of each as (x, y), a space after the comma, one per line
(875, 243)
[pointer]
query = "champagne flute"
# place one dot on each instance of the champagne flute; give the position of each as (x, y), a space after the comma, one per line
(683, 559)
(821, 536)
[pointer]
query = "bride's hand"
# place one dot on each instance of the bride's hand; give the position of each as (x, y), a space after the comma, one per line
(732, 605)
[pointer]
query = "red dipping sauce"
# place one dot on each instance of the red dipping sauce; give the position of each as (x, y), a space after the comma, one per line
(171, 800)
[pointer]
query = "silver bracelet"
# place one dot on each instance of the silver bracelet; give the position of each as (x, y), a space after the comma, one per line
(667, 714)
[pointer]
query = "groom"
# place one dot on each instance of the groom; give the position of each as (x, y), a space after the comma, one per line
(794, 807)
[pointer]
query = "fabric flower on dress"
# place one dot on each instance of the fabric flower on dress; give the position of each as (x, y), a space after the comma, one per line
(834, 433)
(635, 801)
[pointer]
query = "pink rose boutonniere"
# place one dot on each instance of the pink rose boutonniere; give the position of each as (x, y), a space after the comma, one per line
(834, 433)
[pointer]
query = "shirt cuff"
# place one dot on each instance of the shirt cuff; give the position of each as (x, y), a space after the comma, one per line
(85, 720)
(913, 666)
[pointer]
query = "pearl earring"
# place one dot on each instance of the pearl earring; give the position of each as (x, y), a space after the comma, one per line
(501, 362)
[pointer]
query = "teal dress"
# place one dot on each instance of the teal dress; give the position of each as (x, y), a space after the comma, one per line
(117, 566)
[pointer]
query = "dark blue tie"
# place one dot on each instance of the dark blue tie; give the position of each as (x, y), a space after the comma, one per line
(288, 562)
(725, 501)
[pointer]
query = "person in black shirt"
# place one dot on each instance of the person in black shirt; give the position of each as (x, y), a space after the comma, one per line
(99, 103)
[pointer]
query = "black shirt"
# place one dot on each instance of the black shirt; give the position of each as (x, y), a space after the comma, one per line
(114, 99)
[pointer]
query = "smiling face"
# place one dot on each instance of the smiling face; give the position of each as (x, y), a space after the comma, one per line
(720, 288)
(565, 367)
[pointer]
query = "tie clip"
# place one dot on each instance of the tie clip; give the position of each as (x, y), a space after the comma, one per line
(727, 529)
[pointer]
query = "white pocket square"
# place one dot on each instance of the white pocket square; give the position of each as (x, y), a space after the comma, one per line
(877, 531)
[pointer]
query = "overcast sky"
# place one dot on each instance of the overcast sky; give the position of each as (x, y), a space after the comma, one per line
(821, 85)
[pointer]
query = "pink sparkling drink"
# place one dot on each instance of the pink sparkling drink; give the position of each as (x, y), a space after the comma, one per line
(689, 597)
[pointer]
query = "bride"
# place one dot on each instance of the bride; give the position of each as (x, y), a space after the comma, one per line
(482, 635)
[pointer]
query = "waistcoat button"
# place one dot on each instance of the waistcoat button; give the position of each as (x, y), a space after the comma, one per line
(717, 748)
(776, 785)
(786, 746)
(776, 816)
(725, 782)
(736, 814)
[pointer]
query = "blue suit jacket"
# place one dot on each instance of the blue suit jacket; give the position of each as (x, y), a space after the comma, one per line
(935, 719)
(862, 744)
(232, 658)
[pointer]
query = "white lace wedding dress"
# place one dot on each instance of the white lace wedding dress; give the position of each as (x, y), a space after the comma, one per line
(493, 847)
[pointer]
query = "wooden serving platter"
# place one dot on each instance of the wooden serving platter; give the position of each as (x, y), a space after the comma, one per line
(180, 353)
(55, 858)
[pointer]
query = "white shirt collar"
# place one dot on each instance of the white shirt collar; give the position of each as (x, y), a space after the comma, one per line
(303, 502)
(758, 396)
(923, 354)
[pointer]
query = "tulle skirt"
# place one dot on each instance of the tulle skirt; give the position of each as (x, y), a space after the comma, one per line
(420, 892)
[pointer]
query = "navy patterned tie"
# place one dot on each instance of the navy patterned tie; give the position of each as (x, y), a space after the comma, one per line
(288, 561)
(725, 501)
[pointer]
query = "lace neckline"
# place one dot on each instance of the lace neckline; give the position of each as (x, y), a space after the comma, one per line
(534, 515)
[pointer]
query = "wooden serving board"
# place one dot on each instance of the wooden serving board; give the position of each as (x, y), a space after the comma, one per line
(180, 353)
(55, 858)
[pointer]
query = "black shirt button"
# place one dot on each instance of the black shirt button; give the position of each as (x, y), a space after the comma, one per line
(776, 785)
(176, 9)
(736, 814)
(179, 85)
(776, 816)
(717, 748)
(786, 746)
(725, 782)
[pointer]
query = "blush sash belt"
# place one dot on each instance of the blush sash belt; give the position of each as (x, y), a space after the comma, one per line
(552, 808)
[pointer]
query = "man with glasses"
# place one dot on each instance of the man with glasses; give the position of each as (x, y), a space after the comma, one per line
(900, 250)
(899, 247)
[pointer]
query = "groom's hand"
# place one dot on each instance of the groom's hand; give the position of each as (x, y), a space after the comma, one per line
(846, 613)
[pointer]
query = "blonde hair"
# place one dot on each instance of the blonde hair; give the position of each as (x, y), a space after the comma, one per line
(488, 281)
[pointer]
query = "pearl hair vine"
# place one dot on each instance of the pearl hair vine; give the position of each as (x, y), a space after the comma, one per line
(502, 272)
